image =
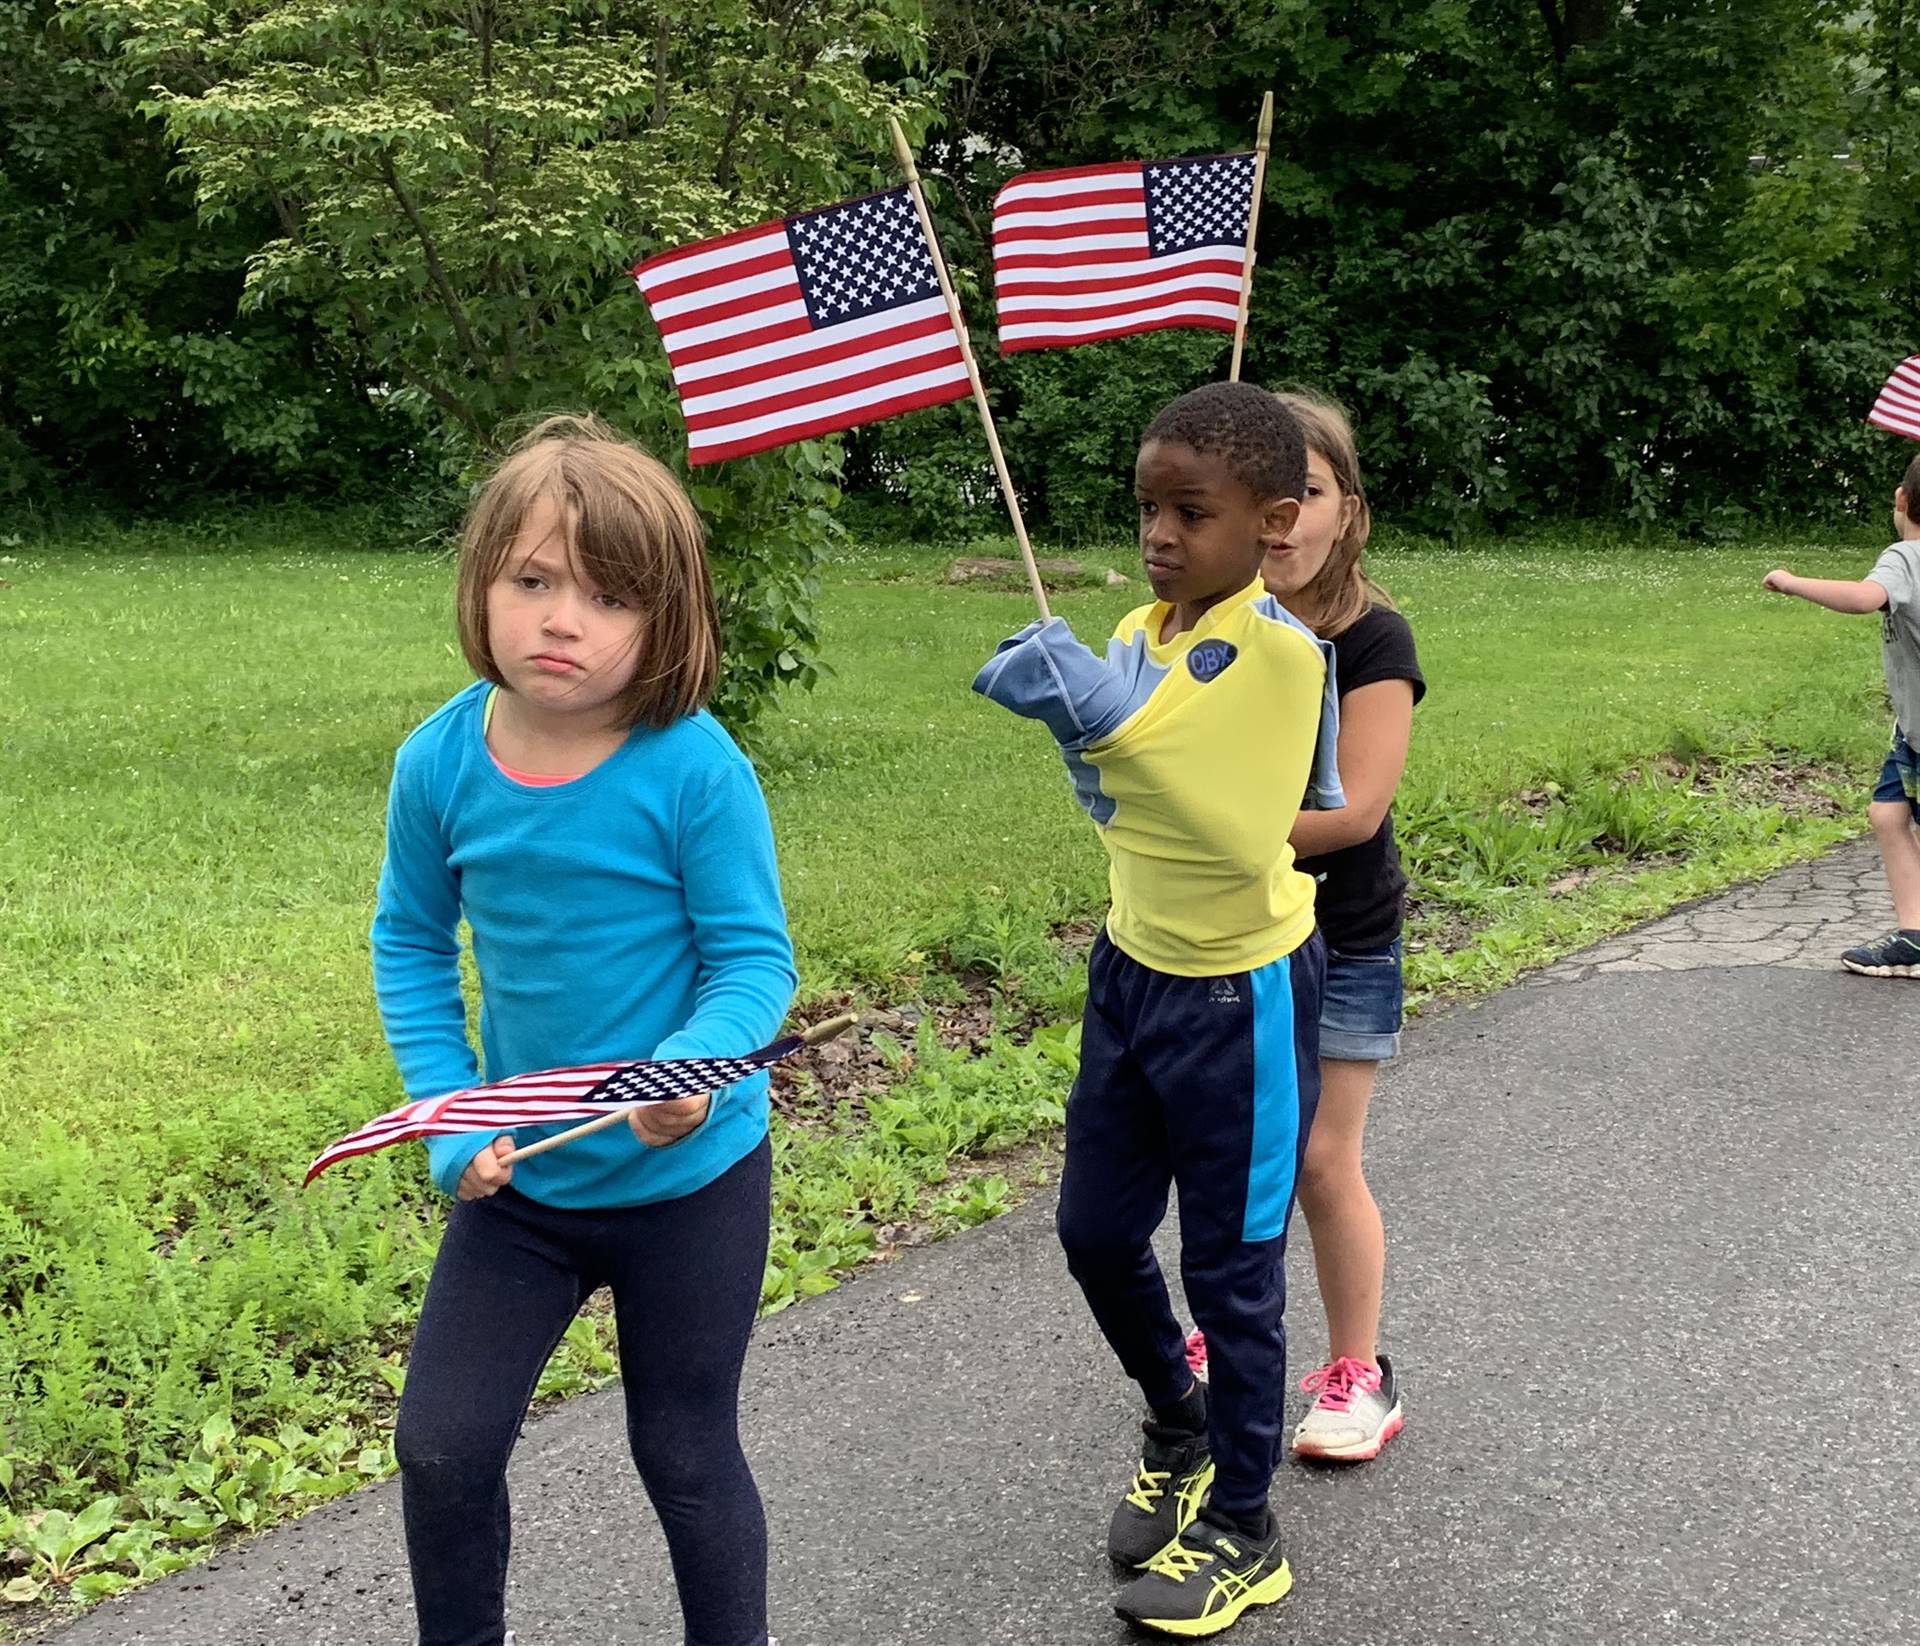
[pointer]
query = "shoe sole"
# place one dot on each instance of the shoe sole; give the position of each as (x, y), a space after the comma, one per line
(1361, 1451)
(1264, 1593)
(1859, 970)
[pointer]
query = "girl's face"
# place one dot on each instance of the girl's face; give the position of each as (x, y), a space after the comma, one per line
(558, 641)
(1325, 513)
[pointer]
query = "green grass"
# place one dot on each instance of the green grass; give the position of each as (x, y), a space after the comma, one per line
(195, 731)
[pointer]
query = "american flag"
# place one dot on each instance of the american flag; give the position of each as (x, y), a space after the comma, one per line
(804, 326)
(582, 1092)
(1102, 251)
(1898, 408)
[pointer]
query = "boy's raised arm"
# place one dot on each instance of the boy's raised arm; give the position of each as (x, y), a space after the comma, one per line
(1836, 594)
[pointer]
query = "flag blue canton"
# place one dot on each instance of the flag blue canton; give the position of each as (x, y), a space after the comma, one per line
(686, 1076)
(1198, 203)
(861, 258)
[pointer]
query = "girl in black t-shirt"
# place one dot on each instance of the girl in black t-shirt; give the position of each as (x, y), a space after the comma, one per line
(1319, 575)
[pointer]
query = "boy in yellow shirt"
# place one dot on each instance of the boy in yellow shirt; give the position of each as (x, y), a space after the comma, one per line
(1191, 745)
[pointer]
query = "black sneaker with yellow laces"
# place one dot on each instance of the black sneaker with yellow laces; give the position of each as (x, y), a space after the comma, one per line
(1202, 1581)
(1174, 1474)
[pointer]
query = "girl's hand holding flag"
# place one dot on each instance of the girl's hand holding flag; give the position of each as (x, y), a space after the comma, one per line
(656, 1124)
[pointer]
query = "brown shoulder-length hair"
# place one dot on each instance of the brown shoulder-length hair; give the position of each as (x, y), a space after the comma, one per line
(633, 533)
(1341, 591)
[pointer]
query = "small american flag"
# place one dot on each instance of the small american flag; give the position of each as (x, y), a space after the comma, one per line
(804, 326)
(583, 1092)
(1102, 251)
(1898, 408)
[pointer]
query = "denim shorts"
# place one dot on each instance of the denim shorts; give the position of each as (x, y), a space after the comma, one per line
(1899, 780)
(1360, 1008)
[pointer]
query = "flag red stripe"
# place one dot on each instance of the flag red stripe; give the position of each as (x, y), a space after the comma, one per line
(1116, 311)
(732, 309)
(693, 353)
(822, 354)
(1075, 229)
(1104, 257)
(1897, 407)
(849, 383)
(1899, 394)
(1092, 287)
(830, 424)
(1125, 329)
(660, 260)
(766, 263)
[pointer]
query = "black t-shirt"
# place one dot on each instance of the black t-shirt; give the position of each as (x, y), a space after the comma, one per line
(1363, 890)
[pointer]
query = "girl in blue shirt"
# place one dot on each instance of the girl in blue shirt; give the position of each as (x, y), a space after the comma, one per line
(610, 851)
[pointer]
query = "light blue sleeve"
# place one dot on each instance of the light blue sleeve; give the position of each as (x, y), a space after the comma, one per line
(416, 963)
(732, 883)
(1324, 793)
(1045, 674)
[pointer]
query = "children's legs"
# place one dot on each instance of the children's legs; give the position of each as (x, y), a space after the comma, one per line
(686, 1277)
(1893, 828)
(503, 1291)
(1349, 1243)
(1113, 1187)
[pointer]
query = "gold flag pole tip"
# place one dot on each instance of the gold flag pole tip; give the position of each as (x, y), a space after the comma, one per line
(830, 1029)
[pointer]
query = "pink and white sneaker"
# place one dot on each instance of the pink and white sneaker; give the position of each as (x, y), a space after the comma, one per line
(1356, 1411)
(1197, 1354)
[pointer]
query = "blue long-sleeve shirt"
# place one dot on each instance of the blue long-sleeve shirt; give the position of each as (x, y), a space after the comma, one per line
(633, 912)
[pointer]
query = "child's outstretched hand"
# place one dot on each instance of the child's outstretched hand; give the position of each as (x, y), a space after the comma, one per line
(1780, 582)
(487, 1173)
(659, 1124)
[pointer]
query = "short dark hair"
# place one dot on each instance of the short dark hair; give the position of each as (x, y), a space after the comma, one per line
(1260, 439)
(1911, 486)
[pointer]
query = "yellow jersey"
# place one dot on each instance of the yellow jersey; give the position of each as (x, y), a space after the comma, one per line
(1193, 756)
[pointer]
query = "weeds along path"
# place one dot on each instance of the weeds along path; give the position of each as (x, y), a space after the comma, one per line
(192, 1348)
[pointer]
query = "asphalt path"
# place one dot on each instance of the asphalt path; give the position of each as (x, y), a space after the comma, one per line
(1654, 1298)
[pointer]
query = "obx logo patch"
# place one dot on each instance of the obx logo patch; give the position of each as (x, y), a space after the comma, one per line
(1208, 660)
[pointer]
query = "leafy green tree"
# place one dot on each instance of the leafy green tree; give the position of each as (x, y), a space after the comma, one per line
(125, 370)
(455, 193)
(1562, 256)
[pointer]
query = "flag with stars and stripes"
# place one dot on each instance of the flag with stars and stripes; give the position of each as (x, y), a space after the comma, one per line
(1898, 408)
(546, 1096)
(1103, 251)
(804, 326)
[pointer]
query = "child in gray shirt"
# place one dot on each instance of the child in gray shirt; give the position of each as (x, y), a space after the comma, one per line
(1893, 589)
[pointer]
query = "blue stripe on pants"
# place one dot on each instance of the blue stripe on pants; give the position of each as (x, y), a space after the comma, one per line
(1276, 1103)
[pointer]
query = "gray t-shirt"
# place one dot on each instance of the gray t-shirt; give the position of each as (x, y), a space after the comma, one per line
(1898, 572)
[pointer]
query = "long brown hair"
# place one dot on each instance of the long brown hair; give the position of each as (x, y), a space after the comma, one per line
(1341, 591)
(636, 535)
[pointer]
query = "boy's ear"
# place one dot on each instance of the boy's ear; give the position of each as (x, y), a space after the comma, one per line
(1281, 515)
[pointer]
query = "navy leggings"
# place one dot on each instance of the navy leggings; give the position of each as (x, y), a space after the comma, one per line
(512, 1274)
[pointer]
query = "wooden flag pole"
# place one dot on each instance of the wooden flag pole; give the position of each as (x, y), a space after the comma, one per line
(1260, 149)
(905, 156)
(812, 1037)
